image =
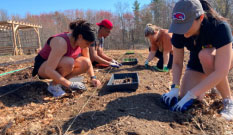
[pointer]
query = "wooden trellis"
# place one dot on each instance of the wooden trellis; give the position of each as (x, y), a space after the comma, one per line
(14, 27)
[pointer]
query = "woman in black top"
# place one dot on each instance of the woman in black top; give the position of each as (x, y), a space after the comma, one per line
(208, 37)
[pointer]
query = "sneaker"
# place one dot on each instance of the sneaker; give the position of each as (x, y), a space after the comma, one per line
(56, 90)
(227, 111)
(157, 69)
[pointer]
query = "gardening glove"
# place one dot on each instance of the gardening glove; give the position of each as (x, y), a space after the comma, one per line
(171, 98)
(114, 61)
(146, 64)
(77, 86)
(165, 69)
(185, 103)
(114, 65)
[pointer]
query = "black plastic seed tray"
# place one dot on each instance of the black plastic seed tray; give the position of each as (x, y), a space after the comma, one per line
(130, 61)
(123, 82)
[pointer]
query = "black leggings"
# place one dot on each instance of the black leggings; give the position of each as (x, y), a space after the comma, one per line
(159, 55)
(38, 62)
(194, 63)
(94, 63)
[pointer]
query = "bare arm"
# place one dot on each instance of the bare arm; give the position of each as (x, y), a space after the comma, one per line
(101, 53)
(152, 52)
(58, 49)
(95, 57)
(177, 66)
(222, 65)
(167, 47)
(166, 56)
(85, 53)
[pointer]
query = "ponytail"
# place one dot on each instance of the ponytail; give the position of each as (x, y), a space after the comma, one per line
(150, 29)
(210, 12)
(80, 26)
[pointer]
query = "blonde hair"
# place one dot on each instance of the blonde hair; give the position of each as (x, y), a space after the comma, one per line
(150, 29)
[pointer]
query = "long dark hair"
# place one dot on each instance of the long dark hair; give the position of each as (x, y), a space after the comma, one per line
(210, 12)
(80, 26)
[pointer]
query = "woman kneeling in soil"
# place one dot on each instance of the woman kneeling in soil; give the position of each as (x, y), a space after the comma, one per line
(160, 47)
(66, 55)
(208, 37)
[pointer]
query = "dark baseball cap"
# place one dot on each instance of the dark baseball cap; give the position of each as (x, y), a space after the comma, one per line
(183, 15)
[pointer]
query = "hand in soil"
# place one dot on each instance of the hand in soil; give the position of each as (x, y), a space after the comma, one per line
(78, 86)
(96, 83)
(185, 103)
(170, 98)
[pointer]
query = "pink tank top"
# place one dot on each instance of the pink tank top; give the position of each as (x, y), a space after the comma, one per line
(71, 52)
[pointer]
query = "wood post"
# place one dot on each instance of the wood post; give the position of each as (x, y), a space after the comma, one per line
(14, 40)
(19, 43)
(38, 36)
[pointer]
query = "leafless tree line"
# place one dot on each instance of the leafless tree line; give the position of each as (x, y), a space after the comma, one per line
(129, 26)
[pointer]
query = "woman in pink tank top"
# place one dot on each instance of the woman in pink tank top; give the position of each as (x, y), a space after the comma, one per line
(66, 55)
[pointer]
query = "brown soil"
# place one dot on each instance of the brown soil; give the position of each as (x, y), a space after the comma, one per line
(30, 109)
(123, 81)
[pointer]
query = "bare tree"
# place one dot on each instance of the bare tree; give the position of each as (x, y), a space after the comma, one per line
(136, 10)
(128, 25)
(223, 7)
(16, 17)
(3, 15)
(121, 8)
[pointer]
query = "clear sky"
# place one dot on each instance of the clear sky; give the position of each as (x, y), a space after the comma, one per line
(21, 7)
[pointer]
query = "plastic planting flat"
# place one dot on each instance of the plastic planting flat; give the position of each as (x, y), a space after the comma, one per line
(130, 61)
(123, 82)
(130, 52)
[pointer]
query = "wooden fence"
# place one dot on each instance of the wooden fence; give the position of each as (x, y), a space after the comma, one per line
(17, 48)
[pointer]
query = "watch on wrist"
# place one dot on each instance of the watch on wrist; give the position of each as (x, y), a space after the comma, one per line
(93, 77)
(175, 86)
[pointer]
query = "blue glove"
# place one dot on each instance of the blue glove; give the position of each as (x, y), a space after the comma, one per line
(146, 64)
(185, 103)
(170, 98)
(114, 65)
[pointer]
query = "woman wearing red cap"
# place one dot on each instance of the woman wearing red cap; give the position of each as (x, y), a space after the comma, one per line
(97, 54)
(208, 37)
(66, 55)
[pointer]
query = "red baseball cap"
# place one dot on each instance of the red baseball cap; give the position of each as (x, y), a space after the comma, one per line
(106, 23)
